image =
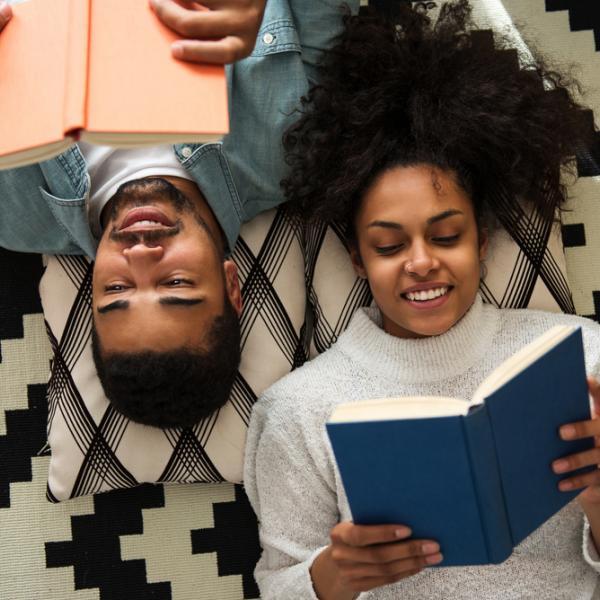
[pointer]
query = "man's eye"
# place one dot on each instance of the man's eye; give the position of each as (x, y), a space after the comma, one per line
(177, 282)
(446, 240)
(387, 250)
(117, 287)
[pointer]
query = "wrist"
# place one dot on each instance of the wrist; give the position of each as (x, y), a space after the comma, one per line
(326, 581)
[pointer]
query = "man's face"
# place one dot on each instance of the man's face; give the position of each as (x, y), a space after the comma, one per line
(159, 277)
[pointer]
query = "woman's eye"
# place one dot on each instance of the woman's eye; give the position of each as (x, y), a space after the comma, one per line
(447, 239)
(117, 287)
(385, 250)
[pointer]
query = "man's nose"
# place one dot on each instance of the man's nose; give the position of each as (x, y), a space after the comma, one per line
(142, 252)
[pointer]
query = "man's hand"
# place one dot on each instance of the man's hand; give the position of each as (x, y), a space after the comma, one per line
(364, 557)
(215, 31)
(5, 14)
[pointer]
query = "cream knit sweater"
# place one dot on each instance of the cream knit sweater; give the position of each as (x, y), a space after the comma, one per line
(295, 489)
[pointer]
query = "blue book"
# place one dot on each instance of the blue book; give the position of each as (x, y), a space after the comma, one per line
(475, 476)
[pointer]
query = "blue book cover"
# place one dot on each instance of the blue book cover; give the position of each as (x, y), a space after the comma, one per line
(479, 483)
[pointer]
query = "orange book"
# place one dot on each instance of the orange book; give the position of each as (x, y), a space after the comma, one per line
(100, 71)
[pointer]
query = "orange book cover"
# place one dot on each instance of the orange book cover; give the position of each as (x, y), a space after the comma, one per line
(101, 70)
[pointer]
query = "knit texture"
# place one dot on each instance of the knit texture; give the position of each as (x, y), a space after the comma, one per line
(295, 488)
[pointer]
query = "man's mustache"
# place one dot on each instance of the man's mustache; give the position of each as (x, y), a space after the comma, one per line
(153, 235)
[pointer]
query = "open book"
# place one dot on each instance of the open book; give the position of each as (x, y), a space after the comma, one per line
(473, 475)
(99, 70)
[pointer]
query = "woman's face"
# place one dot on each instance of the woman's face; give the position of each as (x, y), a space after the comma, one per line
(419, 248)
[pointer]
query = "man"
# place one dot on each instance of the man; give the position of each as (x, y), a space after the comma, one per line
(165, 296)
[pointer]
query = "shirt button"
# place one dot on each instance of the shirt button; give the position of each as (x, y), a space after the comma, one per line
(186, 152)
(268, 38)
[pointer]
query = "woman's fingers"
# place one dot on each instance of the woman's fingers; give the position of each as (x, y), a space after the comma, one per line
(367, 535)
(388, 569)
(577, 461)
(368, 583)
(385, 553)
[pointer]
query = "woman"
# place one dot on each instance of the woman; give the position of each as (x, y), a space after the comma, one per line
(418, 138)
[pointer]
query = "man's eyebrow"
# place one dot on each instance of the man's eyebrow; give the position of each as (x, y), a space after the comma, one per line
(393, 225)
(177, 301)
(118, 304)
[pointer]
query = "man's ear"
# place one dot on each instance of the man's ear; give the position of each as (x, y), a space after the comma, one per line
(357, 262)
(232, 285)
(484, 239)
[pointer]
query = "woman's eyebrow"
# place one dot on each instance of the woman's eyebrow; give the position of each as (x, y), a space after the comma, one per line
(439, 217)
(444, 215)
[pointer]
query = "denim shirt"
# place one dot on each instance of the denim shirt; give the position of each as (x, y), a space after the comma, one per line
(43, 206)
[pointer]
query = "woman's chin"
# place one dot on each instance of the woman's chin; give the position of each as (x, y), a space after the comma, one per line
(417, 329)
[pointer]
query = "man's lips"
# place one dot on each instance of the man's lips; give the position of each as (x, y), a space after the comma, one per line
(136, 219)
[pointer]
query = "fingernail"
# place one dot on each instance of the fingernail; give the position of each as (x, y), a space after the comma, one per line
(402, 532)
(567, 432)
(560, 466)
(177, 49)
(430, 547)
(433, 559)
(565, 486)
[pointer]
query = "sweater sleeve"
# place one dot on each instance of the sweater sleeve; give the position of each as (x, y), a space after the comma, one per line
(291, 488)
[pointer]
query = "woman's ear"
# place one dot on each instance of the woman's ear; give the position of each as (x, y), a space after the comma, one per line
(232, 285)
(357, 263)
(483, 242)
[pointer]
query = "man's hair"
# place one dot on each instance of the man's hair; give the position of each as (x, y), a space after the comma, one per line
(176, 388)
(406, 91)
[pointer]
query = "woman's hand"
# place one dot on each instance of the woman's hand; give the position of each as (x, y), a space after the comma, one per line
(5, 14)
(590, 482)
(363, 557)
(214, 31)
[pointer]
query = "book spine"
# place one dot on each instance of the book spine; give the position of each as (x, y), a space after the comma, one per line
(76, 67)
(488, 484)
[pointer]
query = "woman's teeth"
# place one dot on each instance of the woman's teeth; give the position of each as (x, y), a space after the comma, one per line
(423, 295)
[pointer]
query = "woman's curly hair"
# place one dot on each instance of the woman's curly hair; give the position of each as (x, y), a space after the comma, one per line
(405, 91)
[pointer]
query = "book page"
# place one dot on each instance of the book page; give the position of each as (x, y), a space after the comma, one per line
(520, 361)
(399, 408)
(136, 86)
(33, 54)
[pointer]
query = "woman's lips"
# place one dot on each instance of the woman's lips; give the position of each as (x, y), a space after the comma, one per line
(429, 304)
(145, 213)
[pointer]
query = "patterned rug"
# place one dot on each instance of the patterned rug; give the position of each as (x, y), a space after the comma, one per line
(184, 542)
